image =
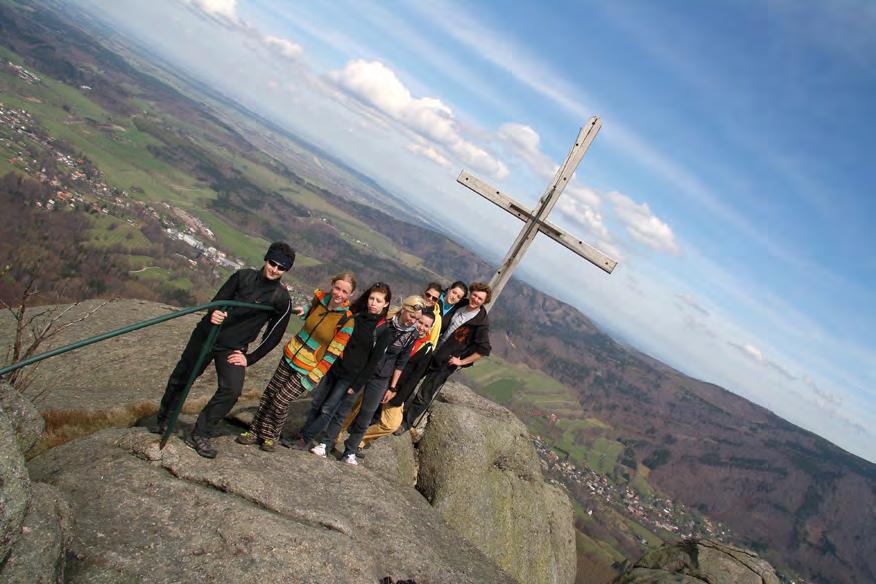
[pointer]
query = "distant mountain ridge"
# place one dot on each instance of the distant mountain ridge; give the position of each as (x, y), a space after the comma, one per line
(802, 501)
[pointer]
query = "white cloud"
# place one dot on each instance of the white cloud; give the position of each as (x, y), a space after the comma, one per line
(283, 47)
(583, 195)
(430, 153)
(523, 142)
(582, 213)
(219, 7)
(642, 225)
(377, 85)
(753, 352)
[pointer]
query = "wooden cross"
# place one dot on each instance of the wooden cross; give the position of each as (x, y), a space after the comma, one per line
(535, 221)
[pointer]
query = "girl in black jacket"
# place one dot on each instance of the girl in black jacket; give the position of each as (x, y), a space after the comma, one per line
(355, 367)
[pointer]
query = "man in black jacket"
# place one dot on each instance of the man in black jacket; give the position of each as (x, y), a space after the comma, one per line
(230, 354)
(465, 340)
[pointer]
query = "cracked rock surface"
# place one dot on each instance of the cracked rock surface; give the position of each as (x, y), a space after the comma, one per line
(246, 516)
(698, 561)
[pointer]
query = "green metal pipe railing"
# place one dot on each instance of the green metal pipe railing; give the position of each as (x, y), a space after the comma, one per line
(206, 348)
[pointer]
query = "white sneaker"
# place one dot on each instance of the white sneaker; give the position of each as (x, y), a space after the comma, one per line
(319, 450)
(351, 459)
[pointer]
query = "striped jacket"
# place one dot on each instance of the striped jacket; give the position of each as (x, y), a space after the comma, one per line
(321, 341)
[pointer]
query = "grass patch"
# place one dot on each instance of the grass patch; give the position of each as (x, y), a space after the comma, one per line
(63, 426)
(604, 455)
(107, 231)
(640, 482)
(502, 390)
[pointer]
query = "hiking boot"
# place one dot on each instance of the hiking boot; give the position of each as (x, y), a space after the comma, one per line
(201, 445)
(247, 439)
(401, 429)
(350, 459)
(268, 445)
(319, 450)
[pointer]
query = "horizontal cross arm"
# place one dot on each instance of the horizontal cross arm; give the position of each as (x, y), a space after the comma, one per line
(493, 195)
(572, 243)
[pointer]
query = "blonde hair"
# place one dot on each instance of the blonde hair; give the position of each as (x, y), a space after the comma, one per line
(411, 303)
(346, 277)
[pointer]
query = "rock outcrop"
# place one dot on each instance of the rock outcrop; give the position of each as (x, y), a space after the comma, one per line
(40, 553)
(479, 470)
(251, 516)
(35, 522)
(699, 561)
(247, 516)
(14, 487)
(26, 420)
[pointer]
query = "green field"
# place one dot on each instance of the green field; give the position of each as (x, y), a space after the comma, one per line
(107, 231)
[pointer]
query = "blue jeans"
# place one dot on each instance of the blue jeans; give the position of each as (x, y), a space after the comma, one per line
(374, 392)
(326, 399)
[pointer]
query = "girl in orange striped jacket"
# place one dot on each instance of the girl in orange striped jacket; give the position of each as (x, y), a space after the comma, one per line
(327, 327)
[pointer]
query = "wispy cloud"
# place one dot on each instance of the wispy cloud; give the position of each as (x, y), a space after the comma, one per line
(757, 355)
(690, 302)
(430, 153)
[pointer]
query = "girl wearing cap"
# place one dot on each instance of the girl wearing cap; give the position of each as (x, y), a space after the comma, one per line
(307, 357)
(391, 352)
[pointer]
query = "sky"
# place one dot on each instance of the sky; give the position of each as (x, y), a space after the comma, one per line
(732, 178)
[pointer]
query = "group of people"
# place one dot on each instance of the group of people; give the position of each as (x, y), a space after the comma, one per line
(370, 369)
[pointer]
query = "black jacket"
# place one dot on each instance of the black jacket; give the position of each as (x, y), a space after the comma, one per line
(472, 337)
(412, 374)
(397, 351)
(365, 347)
(242, 325)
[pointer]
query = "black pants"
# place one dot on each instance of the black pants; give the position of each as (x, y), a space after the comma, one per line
(427, 392)
(229, 390)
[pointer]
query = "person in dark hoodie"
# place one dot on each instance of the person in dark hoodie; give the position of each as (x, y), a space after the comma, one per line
(388, 360)
(464, 340)
(448, 301)
(350, 371)
(240, 327)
